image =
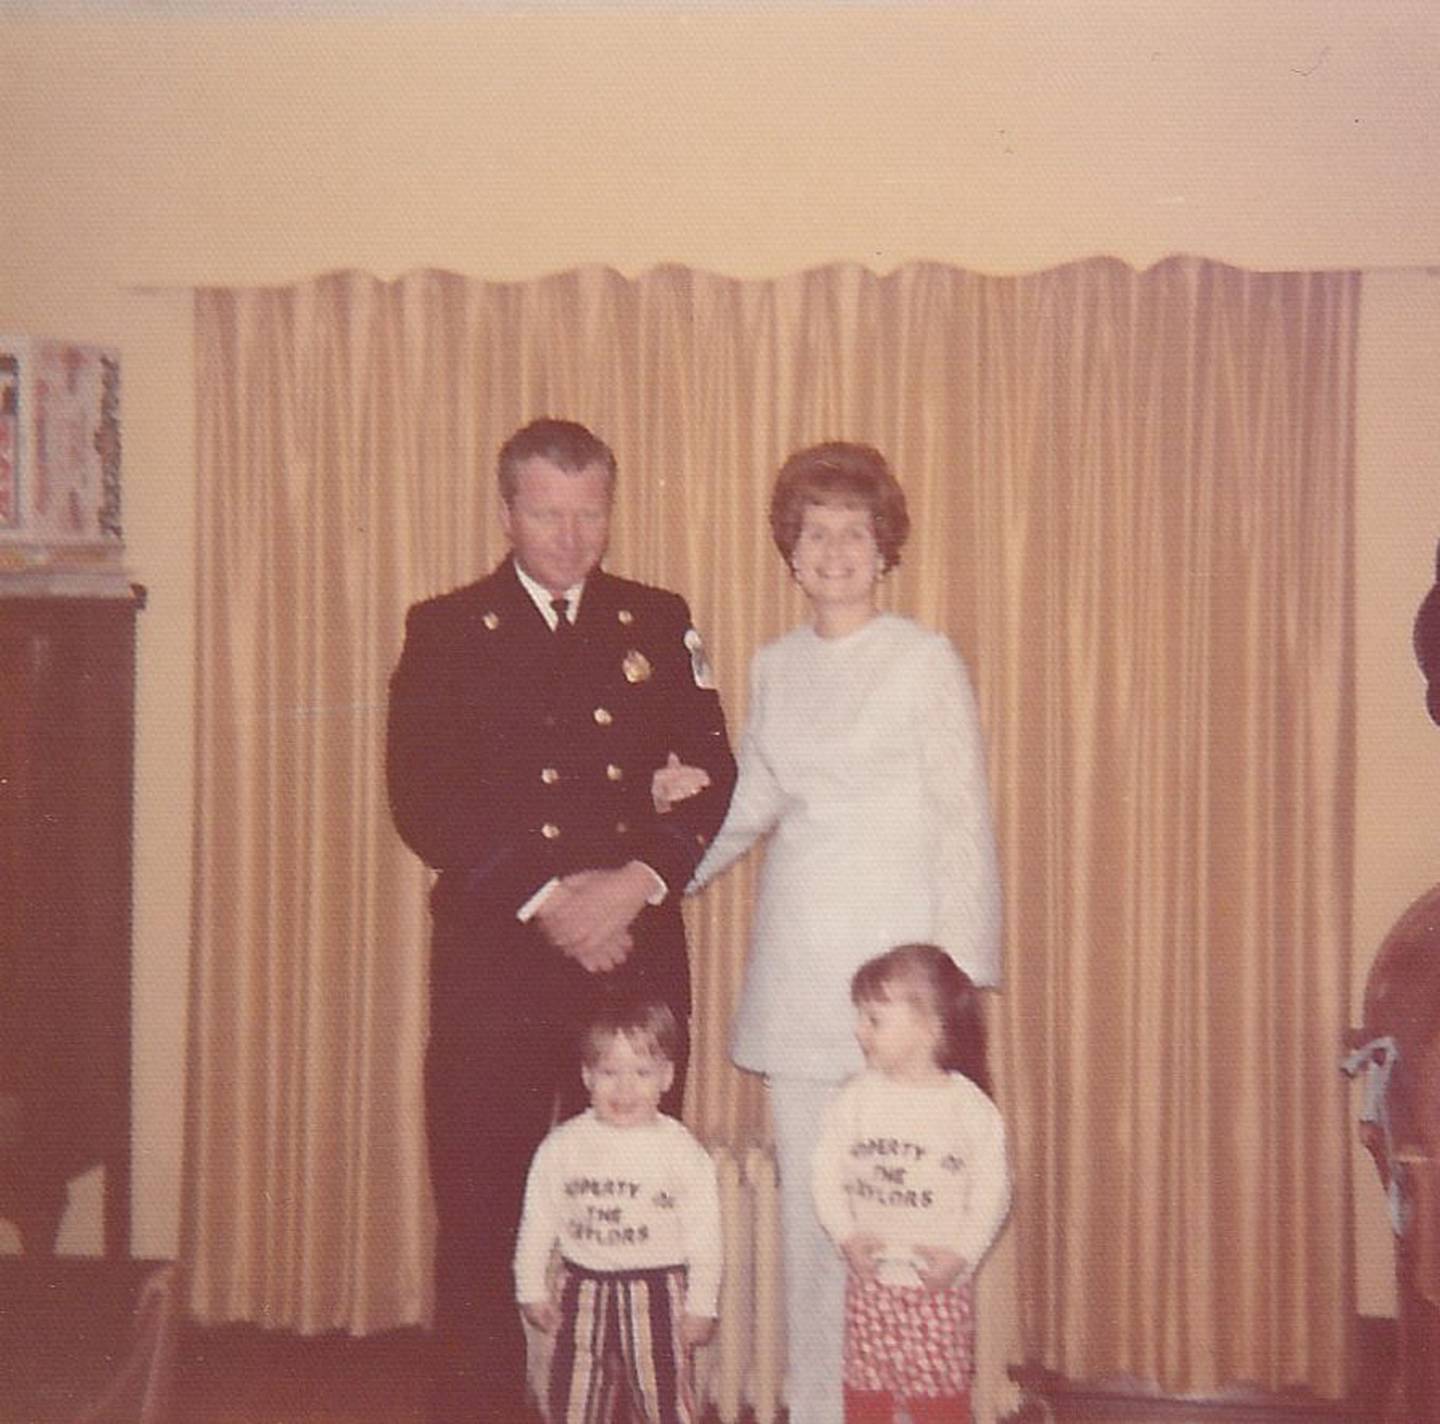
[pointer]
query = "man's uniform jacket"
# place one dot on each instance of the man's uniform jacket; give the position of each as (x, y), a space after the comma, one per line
(516, 754)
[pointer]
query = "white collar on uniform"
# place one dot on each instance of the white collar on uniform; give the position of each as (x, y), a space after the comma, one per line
(541, 597)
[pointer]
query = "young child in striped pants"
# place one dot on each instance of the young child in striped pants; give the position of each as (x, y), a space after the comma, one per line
(630, 1199)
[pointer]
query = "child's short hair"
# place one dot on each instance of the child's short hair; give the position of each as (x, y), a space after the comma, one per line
(927, 976)
(645, 1022)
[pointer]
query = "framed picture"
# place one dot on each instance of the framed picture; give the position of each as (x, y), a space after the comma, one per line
(59, 453)
(9, 440)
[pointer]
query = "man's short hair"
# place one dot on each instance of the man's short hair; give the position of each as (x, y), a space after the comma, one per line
(648, 1023)
(566, 444)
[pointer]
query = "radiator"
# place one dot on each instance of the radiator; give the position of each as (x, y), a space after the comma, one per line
(743, 1367)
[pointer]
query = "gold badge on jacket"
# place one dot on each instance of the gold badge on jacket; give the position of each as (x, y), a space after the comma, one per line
(636, 666)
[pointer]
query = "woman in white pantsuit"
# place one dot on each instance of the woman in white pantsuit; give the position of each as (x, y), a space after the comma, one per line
(862, 759)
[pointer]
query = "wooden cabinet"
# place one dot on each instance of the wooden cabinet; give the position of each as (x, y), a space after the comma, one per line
(67, 678)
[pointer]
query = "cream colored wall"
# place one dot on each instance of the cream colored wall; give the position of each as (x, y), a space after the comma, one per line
(143, 155)
(743, 138)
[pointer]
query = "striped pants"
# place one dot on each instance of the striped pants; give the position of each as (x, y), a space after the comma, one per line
(618, 1357)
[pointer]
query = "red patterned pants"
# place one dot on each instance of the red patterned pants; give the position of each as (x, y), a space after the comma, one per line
(908, 1343)
(863, 1408)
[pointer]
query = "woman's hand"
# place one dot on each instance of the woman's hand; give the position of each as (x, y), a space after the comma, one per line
(544, 1315)
(862, 1254)
(939, 1268)
(696, 1329)
(676, 782)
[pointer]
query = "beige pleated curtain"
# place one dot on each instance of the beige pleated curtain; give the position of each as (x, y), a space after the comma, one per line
(1132, 496)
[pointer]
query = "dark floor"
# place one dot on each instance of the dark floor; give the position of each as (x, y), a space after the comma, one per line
(235, 1380)
(243, 1376)
(64, 1334)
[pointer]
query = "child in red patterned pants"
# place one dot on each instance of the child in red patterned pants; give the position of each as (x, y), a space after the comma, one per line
(911, 1182)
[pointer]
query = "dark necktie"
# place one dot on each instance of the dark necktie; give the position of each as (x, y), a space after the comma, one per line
(564, 629)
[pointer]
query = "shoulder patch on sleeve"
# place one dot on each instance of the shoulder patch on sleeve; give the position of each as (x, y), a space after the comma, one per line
(699, 662)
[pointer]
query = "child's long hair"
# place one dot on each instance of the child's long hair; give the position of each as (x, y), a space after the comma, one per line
(927, 976)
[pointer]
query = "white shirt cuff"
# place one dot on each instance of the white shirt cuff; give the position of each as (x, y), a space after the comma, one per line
(661, 890)
(527, 911)
(531, 907)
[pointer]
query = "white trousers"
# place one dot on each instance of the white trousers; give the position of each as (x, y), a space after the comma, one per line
(814, 1267)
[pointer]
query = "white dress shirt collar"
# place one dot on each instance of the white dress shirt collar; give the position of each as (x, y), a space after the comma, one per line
(543, 598)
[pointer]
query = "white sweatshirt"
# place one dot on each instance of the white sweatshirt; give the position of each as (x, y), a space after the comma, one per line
(622, 1199)
(914, 1165)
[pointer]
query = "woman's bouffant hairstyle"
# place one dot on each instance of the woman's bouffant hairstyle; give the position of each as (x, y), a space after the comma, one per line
(839, 472)
(649, 1024)
(927, 977)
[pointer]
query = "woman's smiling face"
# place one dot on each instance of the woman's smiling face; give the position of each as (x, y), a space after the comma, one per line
(836, 559)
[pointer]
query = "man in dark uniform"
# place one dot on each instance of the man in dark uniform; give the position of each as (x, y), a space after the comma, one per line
(527, 715)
